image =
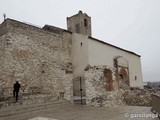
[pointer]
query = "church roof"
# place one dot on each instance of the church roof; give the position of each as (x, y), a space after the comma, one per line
(113, 46)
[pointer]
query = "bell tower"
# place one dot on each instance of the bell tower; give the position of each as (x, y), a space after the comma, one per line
(80, 23)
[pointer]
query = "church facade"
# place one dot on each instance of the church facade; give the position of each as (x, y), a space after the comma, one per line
(65, 63)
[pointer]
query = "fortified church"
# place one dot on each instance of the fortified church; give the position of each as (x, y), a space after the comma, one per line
(60, 63)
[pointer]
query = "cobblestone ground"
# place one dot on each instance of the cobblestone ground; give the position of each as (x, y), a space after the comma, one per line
(83, 112)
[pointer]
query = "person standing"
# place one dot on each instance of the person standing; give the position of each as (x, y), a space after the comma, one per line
(16, 88)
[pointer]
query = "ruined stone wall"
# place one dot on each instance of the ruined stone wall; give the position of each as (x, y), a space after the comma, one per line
(98, 92)
(2, 28)
(40, 60)
(2, 42)
(101, 86)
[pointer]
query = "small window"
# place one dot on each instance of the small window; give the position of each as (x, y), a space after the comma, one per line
(135, 77)
(85, 22)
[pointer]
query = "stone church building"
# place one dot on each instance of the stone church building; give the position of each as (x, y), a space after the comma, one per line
(64, 63)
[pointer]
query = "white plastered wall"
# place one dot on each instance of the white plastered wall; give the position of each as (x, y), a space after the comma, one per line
(103, 54)
(89, 51)
(80, 53)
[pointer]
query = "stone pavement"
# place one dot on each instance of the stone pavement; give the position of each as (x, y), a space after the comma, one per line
(84, 112)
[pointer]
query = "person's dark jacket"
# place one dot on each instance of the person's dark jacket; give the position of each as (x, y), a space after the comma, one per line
(16, 87)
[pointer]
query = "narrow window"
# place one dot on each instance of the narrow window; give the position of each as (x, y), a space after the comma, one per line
(85, 22)
(135, 77)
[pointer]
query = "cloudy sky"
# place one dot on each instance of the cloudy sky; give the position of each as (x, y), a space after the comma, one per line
(130, 24)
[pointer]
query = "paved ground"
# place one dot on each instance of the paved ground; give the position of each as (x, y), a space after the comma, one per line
(83, 112)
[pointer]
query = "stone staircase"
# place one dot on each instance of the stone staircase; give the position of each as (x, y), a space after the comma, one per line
(28, 103)
(27, 99)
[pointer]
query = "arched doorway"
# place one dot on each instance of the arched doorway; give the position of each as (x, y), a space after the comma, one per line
(123, 75)
(122, 71)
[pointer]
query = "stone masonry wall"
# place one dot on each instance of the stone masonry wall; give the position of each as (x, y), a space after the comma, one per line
(100, 89)
(1, 64)
(97, 92)
(40, 60)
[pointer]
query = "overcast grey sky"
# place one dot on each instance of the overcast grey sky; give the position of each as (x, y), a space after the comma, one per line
(130, 24)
